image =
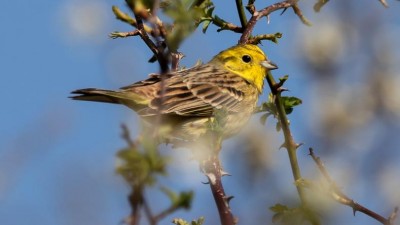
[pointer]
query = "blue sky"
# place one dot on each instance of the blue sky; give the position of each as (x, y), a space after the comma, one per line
(57, 156)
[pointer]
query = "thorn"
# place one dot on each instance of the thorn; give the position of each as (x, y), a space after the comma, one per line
(282, 146)
(354, 211)
(311, 151)
(282, 89)
(299, 144)
(211, 178)
(224, 173)
(284, 10)
(229, 198)
(205, 182)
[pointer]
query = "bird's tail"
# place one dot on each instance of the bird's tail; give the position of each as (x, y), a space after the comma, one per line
(98, 95)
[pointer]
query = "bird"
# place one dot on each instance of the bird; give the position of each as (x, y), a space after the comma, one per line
(187, 100)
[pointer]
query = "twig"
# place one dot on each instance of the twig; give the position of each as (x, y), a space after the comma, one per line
(257, 15)
(213, 170)
(272, 37)
(149, 42)
(318, 5)
(298, 12)
(129, 20)
(242, 14)
(226, 26)
(135, 200)
(340, 197)
(289, 143)
(384, 3)
(117, 34)
(165, 213)
(250, 6)
(149, 214)
(127, 136)
(211, 167)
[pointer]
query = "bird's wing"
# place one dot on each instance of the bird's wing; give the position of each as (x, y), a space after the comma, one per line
(198, 92)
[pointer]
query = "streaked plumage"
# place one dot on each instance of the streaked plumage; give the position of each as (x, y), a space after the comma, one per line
(231, 81)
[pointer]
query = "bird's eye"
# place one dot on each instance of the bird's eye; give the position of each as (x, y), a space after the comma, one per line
(246, 58)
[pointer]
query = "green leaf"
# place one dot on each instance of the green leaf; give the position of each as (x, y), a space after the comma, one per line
(183, 200)
(289, 102)
(266, 107)
(284, 78)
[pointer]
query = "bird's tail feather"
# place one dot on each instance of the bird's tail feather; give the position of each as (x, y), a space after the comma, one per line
(98, 95)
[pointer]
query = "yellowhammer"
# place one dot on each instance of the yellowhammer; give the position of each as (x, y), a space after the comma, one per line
(231, 81)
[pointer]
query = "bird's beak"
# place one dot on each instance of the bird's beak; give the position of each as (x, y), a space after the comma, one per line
(269, 65)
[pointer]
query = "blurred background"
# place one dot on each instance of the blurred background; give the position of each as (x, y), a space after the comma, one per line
(57, 156)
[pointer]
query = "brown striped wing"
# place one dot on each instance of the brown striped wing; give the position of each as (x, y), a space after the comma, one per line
(197, 92)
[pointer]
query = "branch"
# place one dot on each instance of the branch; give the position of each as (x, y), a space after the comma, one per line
(126, 135)
(116, 34)
(211, 167)
(318, 5)
(299, 13)
(165, 213)
(226, 25)
(250, 6)
(257, 15)
(135, 200)
(340, 197)
(150, 218)
(289, 143)
(272, 37)
(384, 3)
(213, 170)
(159, 54)
(242, 14)
(129, 20)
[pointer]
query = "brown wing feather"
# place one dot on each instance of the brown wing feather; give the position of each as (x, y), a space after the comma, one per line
(198, 95)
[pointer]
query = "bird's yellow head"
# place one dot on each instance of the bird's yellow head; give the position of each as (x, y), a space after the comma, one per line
(247, 61)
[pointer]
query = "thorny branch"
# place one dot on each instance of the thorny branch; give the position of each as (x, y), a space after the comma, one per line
(289, 143)
(213, 170)
(257, 15)
(340, 197)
